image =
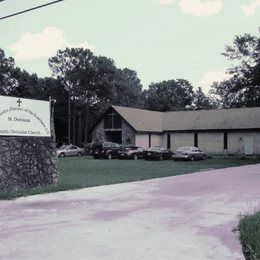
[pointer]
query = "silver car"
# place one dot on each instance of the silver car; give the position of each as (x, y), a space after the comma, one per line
(189, 153)
(69, 150)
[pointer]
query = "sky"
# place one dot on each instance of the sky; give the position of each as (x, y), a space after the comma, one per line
(159, 39)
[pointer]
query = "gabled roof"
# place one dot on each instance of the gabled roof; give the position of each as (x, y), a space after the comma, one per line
(151, 121)
(141, 120)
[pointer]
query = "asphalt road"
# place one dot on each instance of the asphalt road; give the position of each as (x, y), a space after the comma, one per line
(183, 217)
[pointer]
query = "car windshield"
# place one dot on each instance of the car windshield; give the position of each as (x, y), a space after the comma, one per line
(63, 147)
(108, 145)
(155, 148)
(184, 148)
(130, 148)
(97, 146)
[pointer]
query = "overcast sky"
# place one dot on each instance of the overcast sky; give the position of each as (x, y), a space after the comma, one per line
(160, 39)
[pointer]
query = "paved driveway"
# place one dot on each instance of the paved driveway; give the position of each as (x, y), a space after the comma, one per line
(184, 217)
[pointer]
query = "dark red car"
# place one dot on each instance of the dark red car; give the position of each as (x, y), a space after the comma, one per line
(131, 152)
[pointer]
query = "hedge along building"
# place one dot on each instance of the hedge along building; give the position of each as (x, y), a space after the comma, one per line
(226, 131)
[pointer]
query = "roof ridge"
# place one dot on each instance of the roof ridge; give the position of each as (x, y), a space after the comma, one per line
(221, 109)
(133, 108)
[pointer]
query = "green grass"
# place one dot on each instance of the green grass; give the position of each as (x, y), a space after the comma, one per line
(81, 172)
(249, 228)
(87, 172)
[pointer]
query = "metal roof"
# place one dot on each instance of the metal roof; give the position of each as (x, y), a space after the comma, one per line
(151, 121)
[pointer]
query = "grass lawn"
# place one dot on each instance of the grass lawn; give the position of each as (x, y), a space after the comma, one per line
(249, 228)
(81, 172)
(88, 172)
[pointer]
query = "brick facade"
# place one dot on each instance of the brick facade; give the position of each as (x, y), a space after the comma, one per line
(98, 133)
(128, 134)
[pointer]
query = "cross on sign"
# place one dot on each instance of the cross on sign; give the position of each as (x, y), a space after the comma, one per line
(19, 102)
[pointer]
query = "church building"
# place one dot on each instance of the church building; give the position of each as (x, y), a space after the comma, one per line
(225, 131)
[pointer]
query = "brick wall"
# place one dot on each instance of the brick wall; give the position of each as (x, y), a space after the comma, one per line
(98, 133)
(128, 134)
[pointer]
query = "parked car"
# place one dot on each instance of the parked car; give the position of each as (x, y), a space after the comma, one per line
(106, 150)
(131, 152)
(158, 153)
(69, 150)
(189, 153)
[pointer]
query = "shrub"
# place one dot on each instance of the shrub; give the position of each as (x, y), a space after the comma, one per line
(249, 227)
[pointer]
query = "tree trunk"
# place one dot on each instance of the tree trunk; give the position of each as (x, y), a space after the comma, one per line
(69, 119)
(86, 123)
(80, 128)
(74, 124)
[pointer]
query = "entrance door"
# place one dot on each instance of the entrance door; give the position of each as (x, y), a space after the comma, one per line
(114, 136)
(249, 145)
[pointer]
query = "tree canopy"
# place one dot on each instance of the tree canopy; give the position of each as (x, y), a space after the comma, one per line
(170, 95)
(243, 88)
(93, 83)
(202, 101)
(7, 81)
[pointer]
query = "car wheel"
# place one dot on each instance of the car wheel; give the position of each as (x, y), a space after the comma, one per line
(62, 155)
(204, 157)
(135, 157)
(192, 158)
(79, 154)
(109, 156)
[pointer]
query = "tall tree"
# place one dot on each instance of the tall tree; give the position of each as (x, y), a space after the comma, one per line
(127, 88)
(51, 87)
(7, 81)
(27, 85)
(201, 101)
(243, 88)
(91, 81)
(171, 95)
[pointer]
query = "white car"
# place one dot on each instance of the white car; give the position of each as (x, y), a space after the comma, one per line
(70, 150)
(189, 153)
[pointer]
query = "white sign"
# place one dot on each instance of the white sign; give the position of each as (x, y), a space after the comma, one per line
(24, 117)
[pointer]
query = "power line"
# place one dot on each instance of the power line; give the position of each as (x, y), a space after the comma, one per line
(28, 10)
